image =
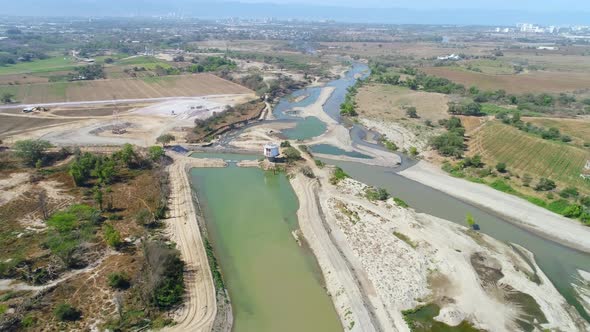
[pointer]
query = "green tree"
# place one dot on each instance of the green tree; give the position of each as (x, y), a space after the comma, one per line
(291, 154)
(156, 153)
(165, 139)
(127, 155)
(501, 167)
(31, 150)
(413, 151)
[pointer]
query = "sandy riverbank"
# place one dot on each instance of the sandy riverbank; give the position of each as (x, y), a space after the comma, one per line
(543, 222)
(399, 259)
(199, 309)
(339, 136)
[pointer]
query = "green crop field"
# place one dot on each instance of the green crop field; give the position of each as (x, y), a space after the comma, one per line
(58, 63)
(524, 153)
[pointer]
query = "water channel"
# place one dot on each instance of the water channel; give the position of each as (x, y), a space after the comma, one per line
(274, 284)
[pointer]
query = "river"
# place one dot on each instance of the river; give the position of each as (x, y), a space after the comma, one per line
(558, 262)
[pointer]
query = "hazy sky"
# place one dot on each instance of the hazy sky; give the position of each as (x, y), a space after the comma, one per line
(536, 5)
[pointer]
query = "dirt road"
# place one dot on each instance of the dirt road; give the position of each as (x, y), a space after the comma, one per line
(200, 308)
(110, 101)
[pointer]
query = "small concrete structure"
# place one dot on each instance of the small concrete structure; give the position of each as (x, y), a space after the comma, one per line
(271, 151)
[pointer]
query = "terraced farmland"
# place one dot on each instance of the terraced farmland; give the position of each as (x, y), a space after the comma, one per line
(153, 87)
(524, 153)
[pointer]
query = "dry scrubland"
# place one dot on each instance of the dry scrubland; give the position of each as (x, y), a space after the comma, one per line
(153, 87)
(539, 81)
(524, 153)
(387, 102)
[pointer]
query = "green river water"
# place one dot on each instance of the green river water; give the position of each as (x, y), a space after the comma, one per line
(274, 284)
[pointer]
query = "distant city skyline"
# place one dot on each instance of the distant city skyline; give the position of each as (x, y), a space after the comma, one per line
(459, 12)
(532, 5)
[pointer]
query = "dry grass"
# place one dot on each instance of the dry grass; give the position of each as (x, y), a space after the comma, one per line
(472, 123)
(537, 82)
(524, 153)
(154, 87)
(387, 102)
(578, 129)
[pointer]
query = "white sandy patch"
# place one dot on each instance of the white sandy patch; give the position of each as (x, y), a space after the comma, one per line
(403, 137)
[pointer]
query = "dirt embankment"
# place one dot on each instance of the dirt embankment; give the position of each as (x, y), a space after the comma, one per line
(200, 308)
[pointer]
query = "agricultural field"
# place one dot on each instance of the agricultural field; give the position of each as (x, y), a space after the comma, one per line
(535, 82)
(58, 63)
(242, 45)
(527, 154)
(388, 102)
(571, 58)
(577, 129)
(488, 66)
(418, 50)
(150, 87)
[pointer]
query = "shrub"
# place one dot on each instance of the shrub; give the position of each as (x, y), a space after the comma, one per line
(573, 211)
(449, 144)
(389, 145)
(319, 163)
(118, 280)
(411, 112)
(400, 202)
(112, 236)
(379, 194)
(66, 312)
(413, 151)
(569, 192)
(28, 321)
(144, 217)
(501, 167)
(545, 185)
(285, 144)
(338, 175)
(291, 154)
(470, 220)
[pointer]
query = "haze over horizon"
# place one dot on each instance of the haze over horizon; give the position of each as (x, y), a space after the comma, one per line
(460, 12)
